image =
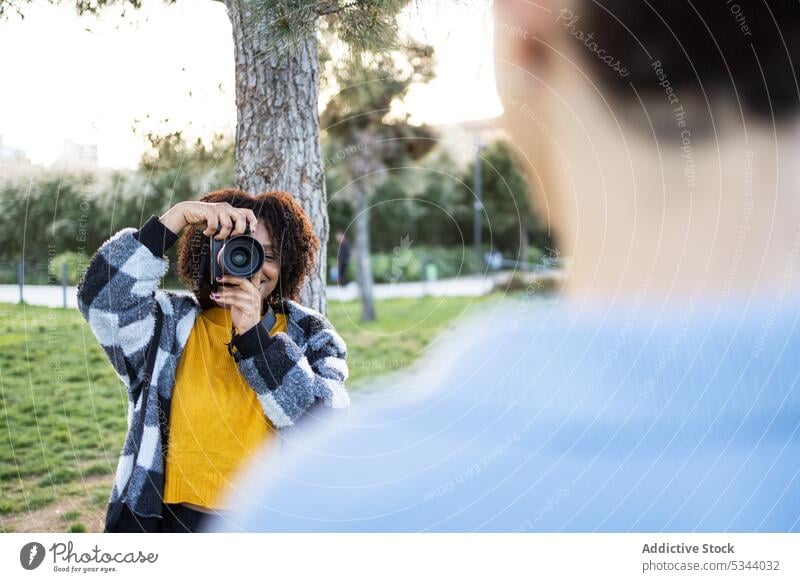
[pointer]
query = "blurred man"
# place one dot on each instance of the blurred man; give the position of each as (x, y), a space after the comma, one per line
(342, 258)
(661, 394)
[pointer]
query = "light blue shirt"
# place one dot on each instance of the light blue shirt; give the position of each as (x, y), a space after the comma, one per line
(532, 418)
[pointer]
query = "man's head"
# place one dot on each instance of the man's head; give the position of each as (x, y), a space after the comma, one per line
(283, 229)
(639, 122)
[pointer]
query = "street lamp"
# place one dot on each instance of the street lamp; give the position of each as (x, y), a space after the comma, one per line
(477, 206)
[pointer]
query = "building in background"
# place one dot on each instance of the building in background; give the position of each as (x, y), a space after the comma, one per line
(77, 157)
(14, 162)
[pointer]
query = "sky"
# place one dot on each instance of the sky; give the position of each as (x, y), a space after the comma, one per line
(109, 80)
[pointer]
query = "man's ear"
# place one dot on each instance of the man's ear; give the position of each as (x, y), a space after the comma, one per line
(526, 32)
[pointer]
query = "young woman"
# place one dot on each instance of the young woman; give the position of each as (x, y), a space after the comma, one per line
(213, 376)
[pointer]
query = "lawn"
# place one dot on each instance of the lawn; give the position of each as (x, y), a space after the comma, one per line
(63, 409)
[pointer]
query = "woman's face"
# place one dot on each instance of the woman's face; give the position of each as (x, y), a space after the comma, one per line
(271, 269)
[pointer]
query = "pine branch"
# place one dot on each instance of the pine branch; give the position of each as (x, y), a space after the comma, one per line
(334, 7)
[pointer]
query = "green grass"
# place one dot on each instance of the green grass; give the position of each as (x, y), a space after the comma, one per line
(63, 409)
(403, 330)
(71, 516)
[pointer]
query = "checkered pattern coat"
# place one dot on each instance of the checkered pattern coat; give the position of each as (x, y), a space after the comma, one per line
(290, 372)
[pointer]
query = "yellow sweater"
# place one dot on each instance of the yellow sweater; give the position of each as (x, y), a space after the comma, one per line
(216, 421)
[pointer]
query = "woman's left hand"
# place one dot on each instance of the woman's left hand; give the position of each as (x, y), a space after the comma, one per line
(243, 298)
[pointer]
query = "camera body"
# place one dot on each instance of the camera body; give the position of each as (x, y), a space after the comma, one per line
(239, 255)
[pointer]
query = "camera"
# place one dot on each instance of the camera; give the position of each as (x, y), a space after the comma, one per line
(239, 255)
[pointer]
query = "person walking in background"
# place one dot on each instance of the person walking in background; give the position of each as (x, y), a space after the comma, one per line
(662, 392)
(342, 258)
(214, 376)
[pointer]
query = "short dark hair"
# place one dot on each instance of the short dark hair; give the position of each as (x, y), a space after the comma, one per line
(288, 225)
(746, 49)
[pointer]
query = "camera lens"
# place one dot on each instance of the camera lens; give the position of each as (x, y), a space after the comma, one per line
(241, 256)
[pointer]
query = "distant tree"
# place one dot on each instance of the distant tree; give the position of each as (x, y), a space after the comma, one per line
(177, 170)
(170, 171)
(46, 216)
(369, 140)
(444, 202)
(507, 218)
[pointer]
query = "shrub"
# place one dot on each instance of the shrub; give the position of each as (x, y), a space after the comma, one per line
(407, 262)
(76, 264)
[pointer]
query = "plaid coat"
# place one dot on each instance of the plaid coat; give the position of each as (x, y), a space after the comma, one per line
(290, 372)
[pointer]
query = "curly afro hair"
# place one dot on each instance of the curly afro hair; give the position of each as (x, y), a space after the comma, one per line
(288, 227)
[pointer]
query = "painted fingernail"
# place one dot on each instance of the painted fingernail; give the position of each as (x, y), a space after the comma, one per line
(219, 278)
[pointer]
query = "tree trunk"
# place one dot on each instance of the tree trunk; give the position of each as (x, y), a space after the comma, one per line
(277, 127)
(363, 267)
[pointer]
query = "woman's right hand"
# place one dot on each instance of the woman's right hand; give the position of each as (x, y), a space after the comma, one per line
(231, 220)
